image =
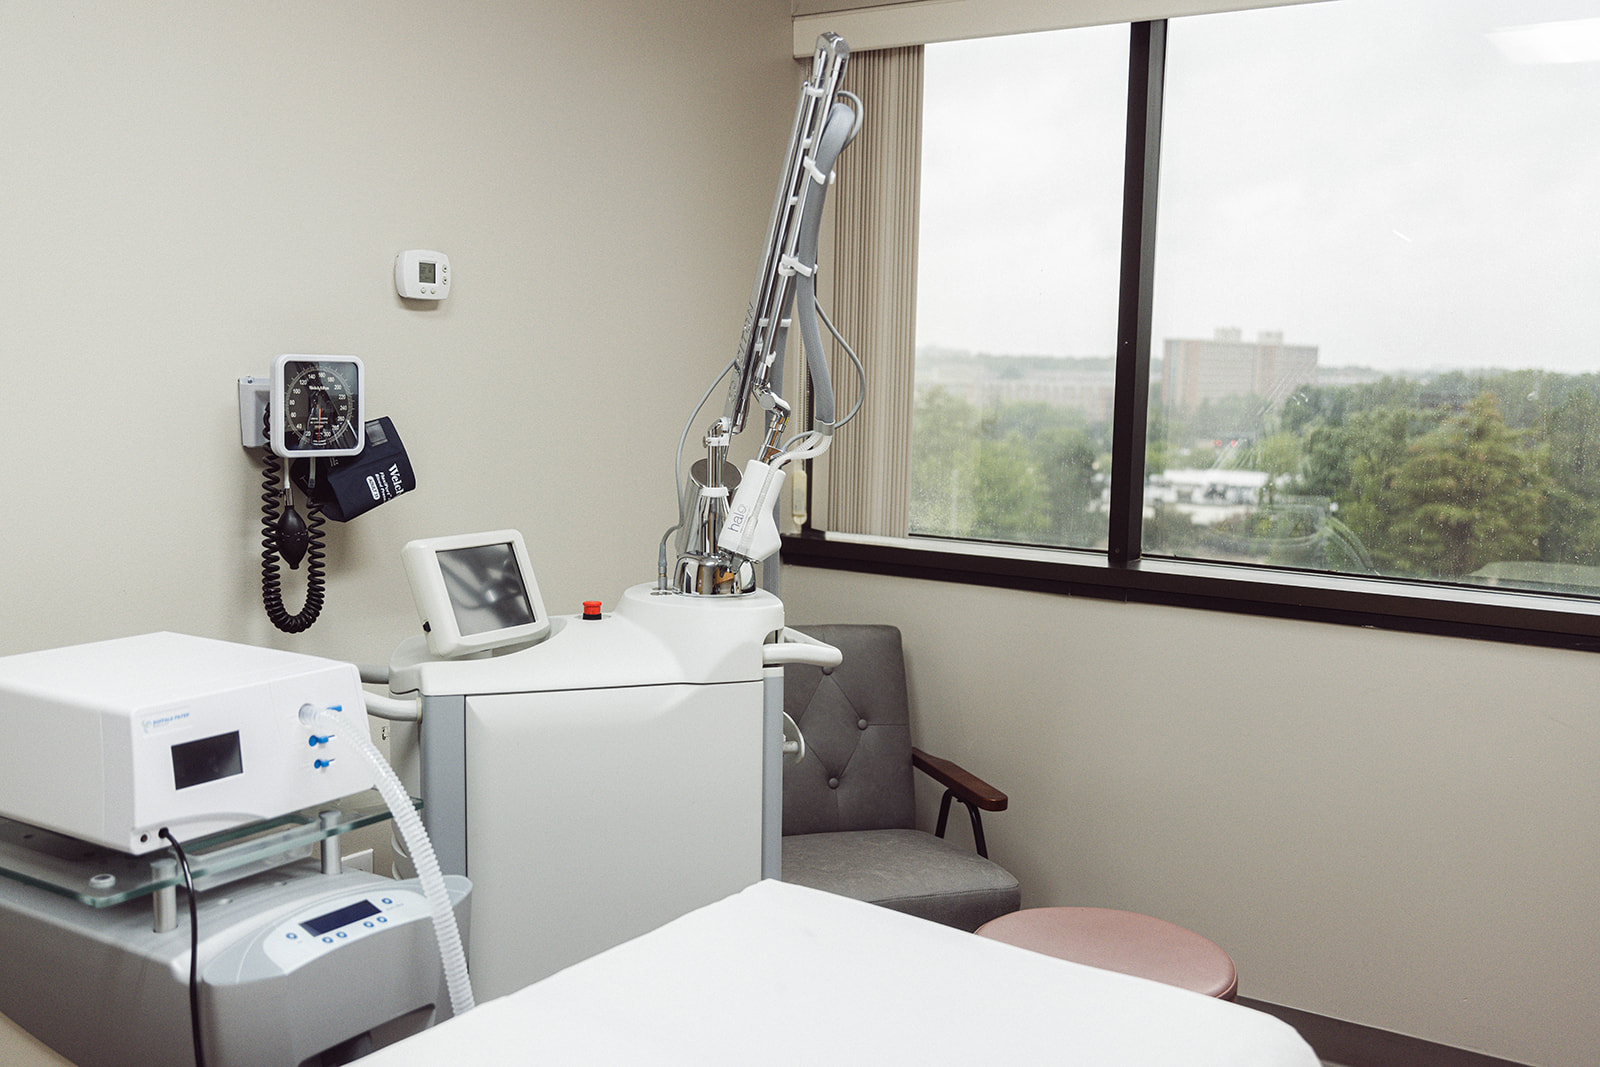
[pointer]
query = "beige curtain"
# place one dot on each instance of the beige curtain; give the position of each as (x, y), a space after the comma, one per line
(863, 481)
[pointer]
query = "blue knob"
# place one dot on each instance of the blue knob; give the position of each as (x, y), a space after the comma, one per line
(321, 763)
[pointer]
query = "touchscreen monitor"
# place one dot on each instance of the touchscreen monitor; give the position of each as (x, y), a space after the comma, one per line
(475, 592)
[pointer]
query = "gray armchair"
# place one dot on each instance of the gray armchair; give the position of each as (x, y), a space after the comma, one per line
(848, 815)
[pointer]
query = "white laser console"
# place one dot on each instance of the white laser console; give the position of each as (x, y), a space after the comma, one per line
(114, 741)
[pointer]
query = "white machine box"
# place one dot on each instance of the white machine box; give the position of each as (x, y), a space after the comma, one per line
(114, 741)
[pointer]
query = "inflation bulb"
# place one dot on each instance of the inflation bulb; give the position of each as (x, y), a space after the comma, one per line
(292, 535)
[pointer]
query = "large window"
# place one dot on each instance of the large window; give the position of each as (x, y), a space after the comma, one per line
(1284, 310)
(1375, 289)
(1017, 286)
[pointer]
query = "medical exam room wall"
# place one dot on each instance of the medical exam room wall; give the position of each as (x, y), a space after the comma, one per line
(189, 189)
(1390, 829)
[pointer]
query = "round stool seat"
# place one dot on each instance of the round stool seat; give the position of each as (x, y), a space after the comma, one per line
(1121, 941)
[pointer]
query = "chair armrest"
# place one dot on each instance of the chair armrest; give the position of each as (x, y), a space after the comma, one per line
(968, 787)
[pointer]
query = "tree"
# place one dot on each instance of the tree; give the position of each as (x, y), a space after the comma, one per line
(1572, 514)
(1353, 464)
(1065, 458)
(1279, 456)
(944, 435)
(1468, 493)
(1007, 496)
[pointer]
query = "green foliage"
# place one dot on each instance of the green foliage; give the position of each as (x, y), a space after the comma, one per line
(1572, 512)
(1437, 478)
(1469, 492)
(1019, 472)
(1426, 477)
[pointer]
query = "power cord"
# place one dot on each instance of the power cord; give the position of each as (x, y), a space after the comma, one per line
(194, 948)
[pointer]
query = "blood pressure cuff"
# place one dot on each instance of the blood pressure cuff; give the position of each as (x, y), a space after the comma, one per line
(346, 486)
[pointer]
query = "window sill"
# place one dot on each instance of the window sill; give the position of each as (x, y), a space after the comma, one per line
(1459, 611)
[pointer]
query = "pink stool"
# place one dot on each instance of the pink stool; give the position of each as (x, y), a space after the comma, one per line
(1121, 941)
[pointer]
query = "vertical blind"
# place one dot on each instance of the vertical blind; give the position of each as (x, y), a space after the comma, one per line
(874, 276)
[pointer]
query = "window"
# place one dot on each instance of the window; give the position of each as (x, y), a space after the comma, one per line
(1373, 299)
(1018, 238)
(1349, 373)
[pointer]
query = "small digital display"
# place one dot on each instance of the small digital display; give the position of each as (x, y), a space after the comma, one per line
(346, 915)
(198, 762)
(486, 588)
(425, 271)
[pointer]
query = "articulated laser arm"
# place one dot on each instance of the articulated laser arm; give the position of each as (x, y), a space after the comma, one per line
(822, 127)
(721, 539)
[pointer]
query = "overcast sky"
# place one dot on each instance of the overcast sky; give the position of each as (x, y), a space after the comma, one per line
(1394, 181)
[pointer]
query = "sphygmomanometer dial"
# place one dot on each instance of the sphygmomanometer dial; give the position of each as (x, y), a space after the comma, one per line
(316, 406)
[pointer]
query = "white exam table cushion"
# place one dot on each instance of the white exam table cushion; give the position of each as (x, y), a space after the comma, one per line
(781, 974)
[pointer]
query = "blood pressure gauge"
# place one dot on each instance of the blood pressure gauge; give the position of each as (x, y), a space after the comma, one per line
(316, 406)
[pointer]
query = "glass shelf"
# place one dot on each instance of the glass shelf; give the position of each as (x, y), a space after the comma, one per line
(102, 877)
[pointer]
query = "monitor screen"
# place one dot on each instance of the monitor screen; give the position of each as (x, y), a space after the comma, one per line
(486, 588)
(198, 762)
(361, 909)
(475, 592)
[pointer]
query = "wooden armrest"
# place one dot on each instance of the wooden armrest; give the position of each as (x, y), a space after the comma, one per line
(968, 787)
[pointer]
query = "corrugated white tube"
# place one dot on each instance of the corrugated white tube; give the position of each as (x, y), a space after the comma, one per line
(451, 953)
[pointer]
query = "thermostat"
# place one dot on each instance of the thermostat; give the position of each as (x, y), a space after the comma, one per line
(422, 275)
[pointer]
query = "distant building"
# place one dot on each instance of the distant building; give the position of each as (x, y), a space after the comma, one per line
(1207, 497)
(1193, 372)
(1085, 385)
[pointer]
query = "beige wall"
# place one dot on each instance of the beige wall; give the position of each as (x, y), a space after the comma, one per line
(1392, 829)
(189, 189)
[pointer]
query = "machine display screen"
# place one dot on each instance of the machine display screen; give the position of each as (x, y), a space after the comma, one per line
(361, 909)
(206, 760)
(486, 588)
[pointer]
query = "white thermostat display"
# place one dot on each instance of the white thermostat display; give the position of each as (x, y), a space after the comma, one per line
(422, 275)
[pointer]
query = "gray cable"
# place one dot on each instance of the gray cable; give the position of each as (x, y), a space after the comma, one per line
(861, 371)
(842, 124)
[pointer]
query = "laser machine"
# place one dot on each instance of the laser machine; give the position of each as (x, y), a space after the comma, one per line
(599, 774)
(141, 764)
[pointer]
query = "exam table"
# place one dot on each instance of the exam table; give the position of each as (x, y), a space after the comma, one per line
(782, 974)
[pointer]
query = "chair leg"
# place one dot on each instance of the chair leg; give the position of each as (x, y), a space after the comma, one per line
(977, 832)
(978, 843)
(944, 811)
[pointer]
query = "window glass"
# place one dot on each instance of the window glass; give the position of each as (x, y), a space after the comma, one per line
(1375, 346)
(1017, 286)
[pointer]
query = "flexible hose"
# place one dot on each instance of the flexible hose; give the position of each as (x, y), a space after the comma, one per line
(839, 130)
(451, 953)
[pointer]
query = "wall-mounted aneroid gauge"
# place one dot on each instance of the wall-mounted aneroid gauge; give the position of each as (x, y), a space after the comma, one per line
(316, 406)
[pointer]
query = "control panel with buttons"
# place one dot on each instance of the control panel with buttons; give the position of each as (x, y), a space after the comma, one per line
(420, 274)
(316, 931)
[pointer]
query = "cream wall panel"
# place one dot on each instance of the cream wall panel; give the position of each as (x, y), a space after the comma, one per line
(193, 188)
(1393, 829)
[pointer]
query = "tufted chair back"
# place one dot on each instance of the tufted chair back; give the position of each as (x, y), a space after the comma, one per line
(857, 726)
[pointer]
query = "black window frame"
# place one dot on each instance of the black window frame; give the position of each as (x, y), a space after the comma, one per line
(1123, 572)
